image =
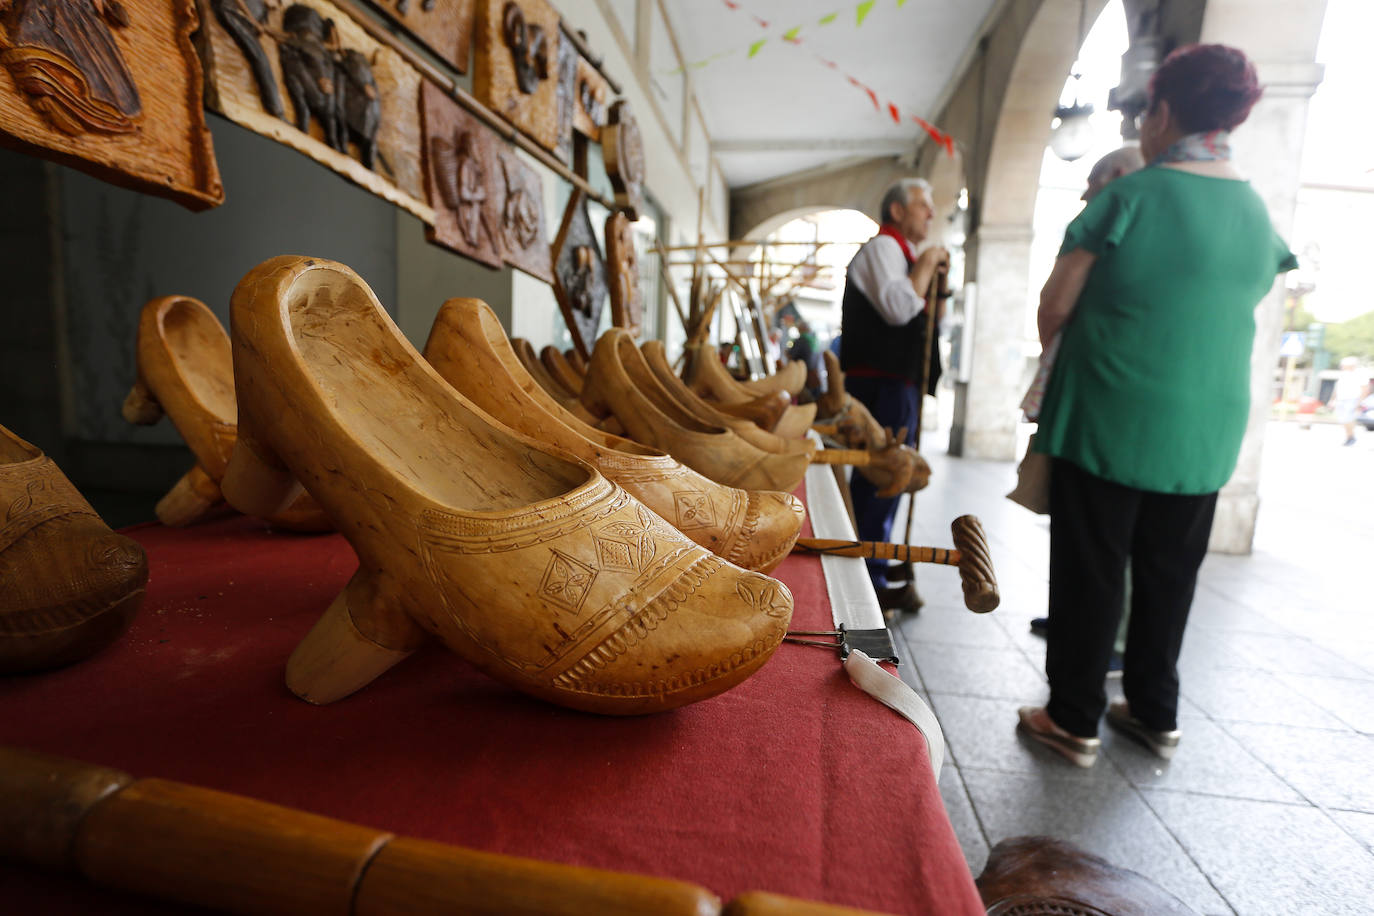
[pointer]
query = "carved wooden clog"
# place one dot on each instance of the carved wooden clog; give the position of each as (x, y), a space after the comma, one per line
(186, 370)
(562, 372)
(69, 585)
(751, 529)
(524, 351)
(520, 558)
(657, 360)
(618, 381)
(709, 377)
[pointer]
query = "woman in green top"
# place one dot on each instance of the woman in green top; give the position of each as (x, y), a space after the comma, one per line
(1155, 290)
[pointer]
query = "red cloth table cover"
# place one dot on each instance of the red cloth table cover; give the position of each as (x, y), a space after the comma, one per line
(794, 782)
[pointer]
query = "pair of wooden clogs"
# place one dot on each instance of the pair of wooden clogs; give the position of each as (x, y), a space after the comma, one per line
(530, 543)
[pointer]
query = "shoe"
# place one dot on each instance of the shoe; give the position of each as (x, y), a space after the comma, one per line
(752, 529)
(765, 412)
(679, 393)
(1161, 744)
(1040, 626)
(185, 370)
(520, 558)
(709, 379)
(69, 586)
(1350, 441)
(560, 369)
(619, 382)
(1036, 723)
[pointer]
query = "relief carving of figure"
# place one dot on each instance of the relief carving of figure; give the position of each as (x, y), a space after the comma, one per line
(62, 54)
(520, 215)
(462, 183)
(307, 67)
(528, 45)
(334, 85)
(245, 21)
(580, 285)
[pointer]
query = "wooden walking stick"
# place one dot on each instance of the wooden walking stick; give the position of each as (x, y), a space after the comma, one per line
(970, 554)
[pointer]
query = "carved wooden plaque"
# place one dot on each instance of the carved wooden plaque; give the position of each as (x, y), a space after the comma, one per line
(579, 274)
(111, 88)
(521, 217)
(464, 179)
(516, 71)
(623, 148)
(622, 274)
(443, 26)
(592, 98)
(305, 74)
(567, 103)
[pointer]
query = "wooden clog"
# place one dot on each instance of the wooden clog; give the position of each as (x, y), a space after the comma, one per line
(520, 558)
(618, 381)
(524, 351)
(709, 378)
(186, 370)
(657, 361)
(752, 529)
(69, 586)
(763, 412)
(558, 367)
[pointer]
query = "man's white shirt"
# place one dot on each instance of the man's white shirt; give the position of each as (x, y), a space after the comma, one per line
(879, 271)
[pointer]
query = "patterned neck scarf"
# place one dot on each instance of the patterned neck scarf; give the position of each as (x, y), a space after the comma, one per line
(1211, 146)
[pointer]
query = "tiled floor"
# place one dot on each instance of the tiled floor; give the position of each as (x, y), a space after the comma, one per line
(1268, 807)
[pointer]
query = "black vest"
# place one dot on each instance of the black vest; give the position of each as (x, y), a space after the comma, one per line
(868, 342)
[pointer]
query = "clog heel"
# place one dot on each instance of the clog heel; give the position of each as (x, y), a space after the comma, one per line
(752, 529)
(517, 556)
(185, 371)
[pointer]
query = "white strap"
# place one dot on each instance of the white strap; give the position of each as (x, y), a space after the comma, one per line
(890, 690)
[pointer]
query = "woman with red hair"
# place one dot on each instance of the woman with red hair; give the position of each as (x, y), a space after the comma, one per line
(1155, 289)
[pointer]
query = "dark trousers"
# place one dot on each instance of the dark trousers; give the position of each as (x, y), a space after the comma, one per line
(1095, 526)
(895, 404)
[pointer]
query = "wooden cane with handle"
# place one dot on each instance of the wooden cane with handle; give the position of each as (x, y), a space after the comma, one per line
(970, 554)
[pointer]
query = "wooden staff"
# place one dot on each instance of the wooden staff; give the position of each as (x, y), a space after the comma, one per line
(932, 305)
(970, 554)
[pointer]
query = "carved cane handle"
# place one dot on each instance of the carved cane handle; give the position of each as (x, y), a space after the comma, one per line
(879, 550)
(856, 457)
(975, 565)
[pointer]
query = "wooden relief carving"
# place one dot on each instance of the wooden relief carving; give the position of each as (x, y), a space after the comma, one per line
(592, 101)
(624, 153)
(579, 274)
(443, 26)
(464, 177)
(112, 88)
(521, 217)
(518, 47)
(622, 274)
(308, 76)
(567, 104)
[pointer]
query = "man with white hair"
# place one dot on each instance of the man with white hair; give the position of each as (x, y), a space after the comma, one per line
(883, 344)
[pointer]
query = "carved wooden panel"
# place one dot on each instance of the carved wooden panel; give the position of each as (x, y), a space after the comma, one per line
(592, 97)
(579, 274)
(111, 88)
(444, 26)
(566, 89)
(623, 148)
(622, 274)
(525, 244)
(516, 71)
(464, 179)
(305, 74)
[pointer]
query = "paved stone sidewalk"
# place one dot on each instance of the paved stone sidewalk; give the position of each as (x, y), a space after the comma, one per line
(1268, 807)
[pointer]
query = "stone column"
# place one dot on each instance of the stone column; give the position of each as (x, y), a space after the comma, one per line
(1268, 150)
(985, 407)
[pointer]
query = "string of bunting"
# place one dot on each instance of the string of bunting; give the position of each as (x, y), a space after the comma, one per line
(793, 37)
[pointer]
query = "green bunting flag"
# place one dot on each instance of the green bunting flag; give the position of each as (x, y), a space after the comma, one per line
(862, 10)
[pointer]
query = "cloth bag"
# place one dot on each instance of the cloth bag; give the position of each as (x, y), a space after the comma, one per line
(1032, 488)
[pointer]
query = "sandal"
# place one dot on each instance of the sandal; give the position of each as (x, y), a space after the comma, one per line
(1036, 723)
(520, 558)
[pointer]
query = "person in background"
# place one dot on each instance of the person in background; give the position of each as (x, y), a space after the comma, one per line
(1346, 396)
(1148, 402)
(883, 345)
(1110, 167)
